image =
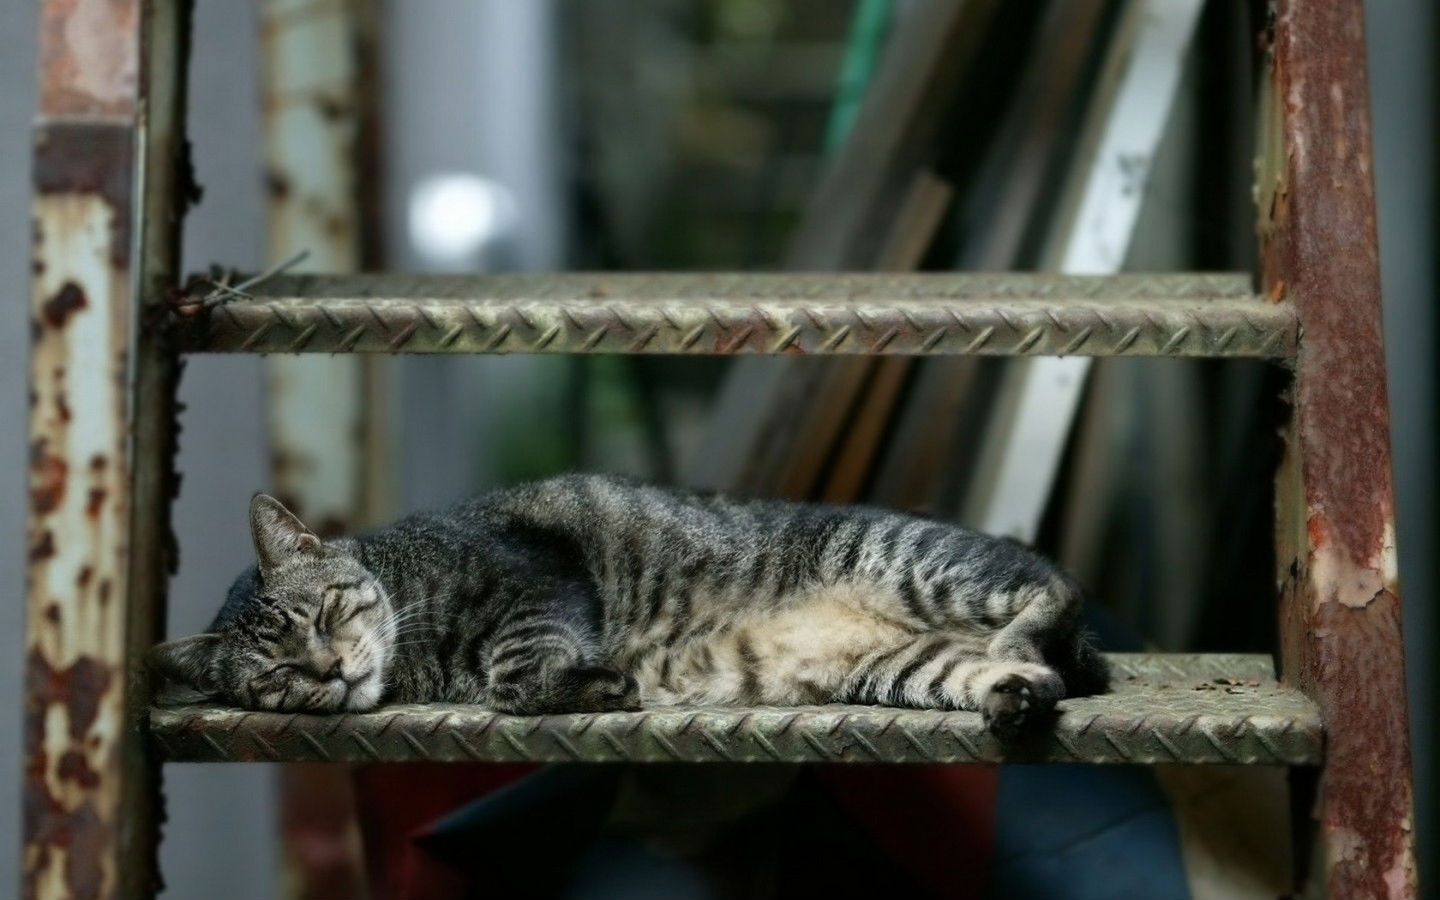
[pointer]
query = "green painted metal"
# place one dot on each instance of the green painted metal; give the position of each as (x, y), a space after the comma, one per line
(869, 26)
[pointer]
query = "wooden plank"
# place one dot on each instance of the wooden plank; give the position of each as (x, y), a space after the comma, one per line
(1104, 191)
(870, 181)
(929, 448)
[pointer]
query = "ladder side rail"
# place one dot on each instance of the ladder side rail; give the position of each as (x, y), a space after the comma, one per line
(1335, 521)
(110, 182)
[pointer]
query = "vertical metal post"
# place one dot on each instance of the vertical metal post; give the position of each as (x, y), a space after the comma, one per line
(318, 101)
(316, 97)
(1335, 531)
(111, 180)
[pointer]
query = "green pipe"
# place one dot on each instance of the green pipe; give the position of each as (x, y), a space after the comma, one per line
(868, 27)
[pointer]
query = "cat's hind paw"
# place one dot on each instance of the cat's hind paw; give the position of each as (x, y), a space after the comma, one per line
(1013, 704)
(576, 689)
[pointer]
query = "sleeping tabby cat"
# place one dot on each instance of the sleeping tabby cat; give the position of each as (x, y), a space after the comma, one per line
(593, 593)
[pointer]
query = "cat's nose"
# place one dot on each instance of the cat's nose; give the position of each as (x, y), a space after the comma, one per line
(326, 665)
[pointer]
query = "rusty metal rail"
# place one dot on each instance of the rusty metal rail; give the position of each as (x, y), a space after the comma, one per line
(989, 314)
(1173, 709)
(1340, 612)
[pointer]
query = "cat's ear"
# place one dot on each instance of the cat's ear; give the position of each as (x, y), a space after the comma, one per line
(186, 663)
(278, 534)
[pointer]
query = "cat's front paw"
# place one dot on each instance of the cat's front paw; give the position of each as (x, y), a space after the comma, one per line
(603, 689)
(1013, 704)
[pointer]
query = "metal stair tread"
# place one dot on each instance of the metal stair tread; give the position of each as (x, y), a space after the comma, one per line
(1165, 708)
(1188, 314)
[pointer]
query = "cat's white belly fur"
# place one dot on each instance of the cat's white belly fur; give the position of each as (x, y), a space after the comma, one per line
(798, 654)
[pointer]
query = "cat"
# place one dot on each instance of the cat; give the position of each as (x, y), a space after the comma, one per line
(587, 593)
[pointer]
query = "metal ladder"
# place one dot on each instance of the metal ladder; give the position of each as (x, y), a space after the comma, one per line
(111, 322)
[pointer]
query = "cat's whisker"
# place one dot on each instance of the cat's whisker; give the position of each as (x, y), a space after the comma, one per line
(416, 610)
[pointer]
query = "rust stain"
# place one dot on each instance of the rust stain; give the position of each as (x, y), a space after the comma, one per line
(95, 502)
(44, 548)
(333, 109)
(89, 62)
(73, 831)
(90, 158)
(1357, 790)
(1342, 611)
(91, 836)
(276, 184)
(66, 301)
(49, 474)
(74, 767)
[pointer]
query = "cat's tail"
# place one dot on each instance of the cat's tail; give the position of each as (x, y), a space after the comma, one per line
(1084, 669)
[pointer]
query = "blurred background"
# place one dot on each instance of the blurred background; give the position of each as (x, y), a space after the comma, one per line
(704, 134)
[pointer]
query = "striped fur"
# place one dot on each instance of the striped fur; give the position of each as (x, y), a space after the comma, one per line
(591, 593)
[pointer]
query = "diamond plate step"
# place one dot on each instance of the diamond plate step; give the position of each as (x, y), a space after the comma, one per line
(992, 314)
(1219, 708)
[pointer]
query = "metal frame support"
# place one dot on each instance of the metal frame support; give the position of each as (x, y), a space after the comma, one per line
(317, 69)
(317, 128)
(111, 181)
(1335, 531)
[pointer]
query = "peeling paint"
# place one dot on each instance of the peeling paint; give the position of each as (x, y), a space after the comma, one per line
(317, 93)
(94, 581)
(89, 57)
(74, 708)
(67, 300)
(1348, 584)
(1341, 605)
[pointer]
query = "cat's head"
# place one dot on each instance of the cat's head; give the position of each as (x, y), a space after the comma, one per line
(307, 628)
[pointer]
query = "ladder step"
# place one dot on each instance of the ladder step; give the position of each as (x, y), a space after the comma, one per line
(1220, 708)
(1005, 314)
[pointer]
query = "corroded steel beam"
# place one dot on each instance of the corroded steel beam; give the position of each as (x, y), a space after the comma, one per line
(1219, 708)
(317, 103)
(1145, 315)
(101, 436)
(1340, 614)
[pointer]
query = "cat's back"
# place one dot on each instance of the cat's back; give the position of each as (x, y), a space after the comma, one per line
(604, 505)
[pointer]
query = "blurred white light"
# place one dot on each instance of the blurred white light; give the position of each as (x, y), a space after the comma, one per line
(455, 216)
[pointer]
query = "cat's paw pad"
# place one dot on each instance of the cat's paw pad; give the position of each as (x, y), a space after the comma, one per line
(1013, 704)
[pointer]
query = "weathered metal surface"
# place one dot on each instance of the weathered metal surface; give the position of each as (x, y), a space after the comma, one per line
(314, 106)
(77, 577)
(1182, 708)
(1335, 516)
(99, 474)
(89, 58)
(1144, 315)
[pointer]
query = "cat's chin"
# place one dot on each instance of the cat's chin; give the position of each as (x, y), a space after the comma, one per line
(364, 696)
